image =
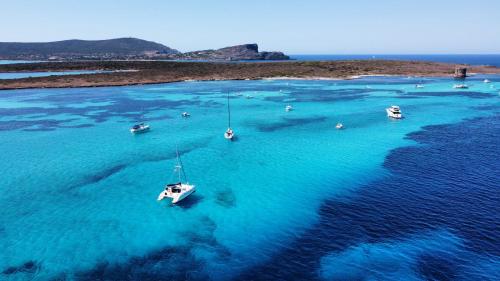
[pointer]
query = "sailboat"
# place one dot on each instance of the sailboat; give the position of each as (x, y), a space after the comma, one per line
(229, 134)
(177, 191)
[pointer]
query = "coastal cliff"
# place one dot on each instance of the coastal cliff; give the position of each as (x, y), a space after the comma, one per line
(239, 52)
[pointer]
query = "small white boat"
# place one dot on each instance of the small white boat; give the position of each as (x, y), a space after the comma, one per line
(288, 108)
(394, 112)
(139, 128)
(229, 133)
(460, 86)
(419, 86)
(249, 97)
(177, 191)
(185, 114)
(486, 81)
(339, 126)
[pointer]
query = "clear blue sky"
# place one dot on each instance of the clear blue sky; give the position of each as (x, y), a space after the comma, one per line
(293, 26)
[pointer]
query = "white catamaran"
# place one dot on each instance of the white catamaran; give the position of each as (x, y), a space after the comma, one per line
(229, 134)
(177, 191)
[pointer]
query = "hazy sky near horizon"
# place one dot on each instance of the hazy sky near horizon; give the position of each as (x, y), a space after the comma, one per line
(292, 26)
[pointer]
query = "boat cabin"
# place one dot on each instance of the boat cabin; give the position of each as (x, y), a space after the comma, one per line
(174, 187)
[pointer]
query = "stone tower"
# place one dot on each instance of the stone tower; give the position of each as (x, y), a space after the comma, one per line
(460, 72)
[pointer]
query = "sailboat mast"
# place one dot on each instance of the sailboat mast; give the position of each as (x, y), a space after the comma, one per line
(228, 111)
(181, 168)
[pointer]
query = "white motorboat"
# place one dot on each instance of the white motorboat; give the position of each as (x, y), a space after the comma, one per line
(419, 86)
(339, 126)
(486, 81)
(288, 108)
(394, 112)
(185, 114)
(139, 128)
(177, 191)
(229, 134)
(460, 86)
(249, 97)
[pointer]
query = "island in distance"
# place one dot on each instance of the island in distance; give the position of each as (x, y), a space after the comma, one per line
(126, 49)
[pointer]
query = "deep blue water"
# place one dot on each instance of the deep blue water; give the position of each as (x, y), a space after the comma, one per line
(493, 59)
(437, 217)
(291, 199)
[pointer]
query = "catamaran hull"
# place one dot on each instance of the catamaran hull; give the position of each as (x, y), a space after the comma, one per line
(183, 196)
(177, 197)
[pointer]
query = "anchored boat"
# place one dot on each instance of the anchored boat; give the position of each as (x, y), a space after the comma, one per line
(139, 128)
(229, 134)
(394, 112)
(177, 191)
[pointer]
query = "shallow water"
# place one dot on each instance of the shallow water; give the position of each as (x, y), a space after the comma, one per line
(79, 192)
(16, 61)
(18, 75)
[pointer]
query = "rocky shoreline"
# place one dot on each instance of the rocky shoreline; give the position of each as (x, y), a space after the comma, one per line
(154, 72)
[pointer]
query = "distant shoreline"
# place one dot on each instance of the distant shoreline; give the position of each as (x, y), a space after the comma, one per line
(157, 72)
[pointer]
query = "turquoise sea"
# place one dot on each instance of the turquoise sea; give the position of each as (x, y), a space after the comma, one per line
(16, 61)
(18, 75)
(292, 198)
